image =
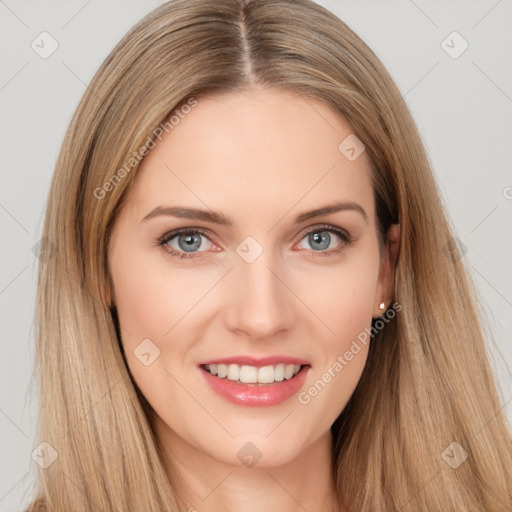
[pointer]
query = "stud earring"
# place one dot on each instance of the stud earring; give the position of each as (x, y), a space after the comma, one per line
(382, 305)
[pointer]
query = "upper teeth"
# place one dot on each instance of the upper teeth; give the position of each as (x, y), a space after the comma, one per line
(253, 374)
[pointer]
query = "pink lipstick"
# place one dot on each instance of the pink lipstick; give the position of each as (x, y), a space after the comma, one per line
(255, 382)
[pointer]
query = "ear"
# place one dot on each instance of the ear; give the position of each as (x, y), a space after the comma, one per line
(384, 290)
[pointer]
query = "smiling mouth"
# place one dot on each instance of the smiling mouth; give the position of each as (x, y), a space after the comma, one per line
(246, 374)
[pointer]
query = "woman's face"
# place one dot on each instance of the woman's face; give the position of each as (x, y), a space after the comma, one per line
(245, 282)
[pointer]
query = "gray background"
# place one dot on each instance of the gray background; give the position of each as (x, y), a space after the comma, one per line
(462, 106)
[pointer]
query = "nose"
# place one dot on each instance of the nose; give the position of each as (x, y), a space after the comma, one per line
(259, 304)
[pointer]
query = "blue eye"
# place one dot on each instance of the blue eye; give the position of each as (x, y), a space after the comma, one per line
(188, 241)
(320, 238)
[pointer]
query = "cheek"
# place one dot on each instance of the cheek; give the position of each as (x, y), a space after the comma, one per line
(156, 302)
(344, 296)
(344, 300)
(150, 304)
(151, 298)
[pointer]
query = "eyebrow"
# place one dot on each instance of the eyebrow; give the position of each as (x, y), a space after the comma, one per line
(221, 219)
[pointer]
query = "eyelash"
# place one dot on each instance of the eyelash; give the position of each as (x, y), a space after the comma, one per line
(167, 237)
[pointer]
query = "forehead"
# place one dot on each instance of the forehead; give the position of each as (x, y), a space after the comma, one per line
(259, 151)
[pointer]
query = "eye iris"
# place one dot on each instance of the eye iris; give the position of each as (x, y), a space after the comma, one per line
(316, 238)
(192, 241)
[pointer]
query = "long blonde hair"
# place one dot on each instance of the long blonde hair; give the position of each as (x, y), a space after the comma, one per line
(427, 382)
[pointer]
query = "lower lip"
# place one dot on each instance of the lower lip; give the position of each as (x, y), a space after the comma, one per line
(256, 395)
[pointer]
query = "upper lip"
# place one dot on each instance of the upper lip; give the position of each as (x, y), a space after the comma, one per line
(255, 361)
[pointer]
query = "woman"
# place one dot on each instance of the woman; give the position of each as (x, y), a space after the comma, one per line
(254, 300)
